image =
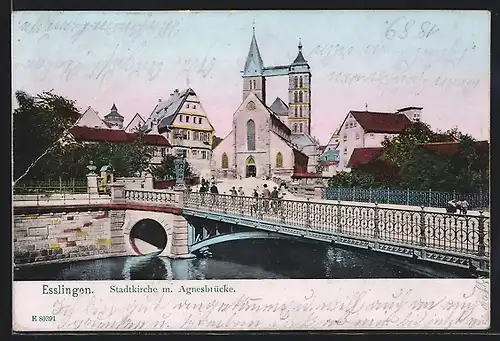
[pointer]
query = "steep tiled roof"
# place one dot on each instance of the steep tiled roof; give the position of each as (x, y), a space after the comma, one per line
(254, 64)
(279, 107)
(361, 156)
(378, 122)
(450, 148)
(165, 111)
(86, 134)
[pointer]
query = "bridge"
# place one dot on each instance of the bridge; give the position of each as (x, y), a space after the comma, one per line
(191, 222)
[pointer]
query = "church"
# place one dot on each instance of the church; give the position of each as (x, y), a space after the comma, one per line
(270, 141)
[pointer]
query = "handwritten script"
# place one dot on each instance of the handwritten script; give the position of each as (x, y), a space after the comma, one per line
(326, 305)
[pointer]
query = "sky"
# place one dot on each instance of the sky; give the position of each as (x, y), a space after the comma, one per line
(374, 60)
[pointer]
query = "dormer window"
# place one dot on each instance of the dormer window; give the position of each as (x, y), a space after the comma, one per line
(187, 119)
(187, 105)
(180, 118)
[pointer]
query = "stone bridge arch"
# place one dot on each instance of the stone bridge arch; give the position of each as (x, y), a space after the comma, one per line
(132, 218)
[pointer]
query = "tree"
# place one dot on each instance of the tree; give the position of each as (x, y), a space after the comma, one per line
(40, 124)
(44, 148)
(166, 169)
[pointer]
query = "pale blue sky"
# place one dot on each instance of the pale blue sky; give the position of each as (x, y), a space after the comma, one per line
(440, 62)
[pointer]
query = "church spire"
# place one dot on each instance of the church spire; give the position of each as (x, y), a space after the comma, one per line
(254, 64)
(300, 60)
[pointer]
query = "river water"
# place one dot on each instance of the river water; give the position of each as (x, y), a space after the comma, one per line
(243, 259)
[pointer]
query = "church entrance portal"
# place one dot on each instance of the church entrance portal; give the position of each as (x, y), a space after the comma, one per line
(251, 169)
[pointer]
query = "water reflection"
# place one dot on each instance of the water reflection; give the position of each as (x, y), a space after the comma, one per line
(246, 259)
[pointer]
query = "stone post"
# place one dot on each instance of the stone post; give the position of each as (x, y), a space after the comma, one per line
(148, 181)
(180, 237)
(117, 192)
(319, 190)
(92, 183)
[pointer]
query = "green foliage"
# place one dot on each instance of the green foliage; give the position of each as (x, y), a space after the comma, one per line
(166, 169)
(404, 163)
(40, 122)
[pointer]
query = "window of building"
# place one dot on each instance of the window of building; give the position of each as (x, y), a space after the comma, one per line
(300, 82)
(163, 152)
(194, 106)
(354, 124)
(345, 151)
(301, 96)
(250, 135)
(194, 152)
(180, 118)
(345, 137)
(187, 119)
(295, 128)
(296, 111)
(295, 83)
(300, 127)
(300, 112)
(225, 161)
(187, 105)
(199, 120)
(279, 160)
(295, 97)
(204, 155)
(357, 136)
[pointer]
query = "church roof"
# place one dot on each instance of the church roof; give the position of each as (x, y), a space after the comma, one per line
(300, 60)
(275, 117)
(254, 64)
(279, 107)
(303, 140)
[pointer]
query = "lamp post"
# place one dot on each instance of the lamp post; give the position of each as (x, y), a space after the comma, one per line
(180, 165)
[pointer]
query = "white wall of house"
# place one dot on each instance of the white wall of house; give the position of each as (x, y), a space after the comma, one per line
(277, 145)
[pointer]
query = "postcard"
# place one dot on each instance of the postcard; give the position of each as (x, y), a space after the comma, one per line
(250, 170)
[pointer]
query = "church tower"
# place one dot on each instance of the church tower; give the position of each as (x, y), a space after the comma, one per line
(253, 77)
(299, 95)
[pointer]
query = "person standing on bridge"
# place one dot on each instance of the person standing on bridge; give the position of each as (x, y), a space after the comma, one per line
(266, 194)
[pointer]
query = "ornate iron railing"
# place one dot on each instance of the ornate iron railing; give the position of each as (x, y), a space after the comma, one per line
(479, 200)
(151, 196)
(463, 234)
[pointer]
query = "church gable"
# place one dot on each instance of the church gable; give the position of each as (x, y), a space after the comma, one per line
(253, 106)
(91, 119)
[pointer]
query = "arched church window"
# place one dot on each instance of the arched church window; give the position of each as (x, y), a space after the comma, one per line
(295, 128)
(296, 111)
(279, 160)
(295, 97)
(300, 82)
(295, 82)
(250, 135)
(300, 127)
(301, 96)
(225, 161)
(300, 114)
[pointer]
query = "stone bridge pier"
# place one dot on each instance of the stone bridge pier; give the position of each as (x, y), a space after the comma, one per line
(174, 225)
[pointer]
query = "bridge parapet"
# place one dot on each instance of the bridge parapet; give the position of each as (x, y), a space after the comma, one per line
(151, 196)
(455, 239)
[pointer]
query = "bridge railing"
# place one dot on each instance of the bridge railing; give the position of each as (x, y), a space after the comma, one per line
(463, 234)
(152, 196)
